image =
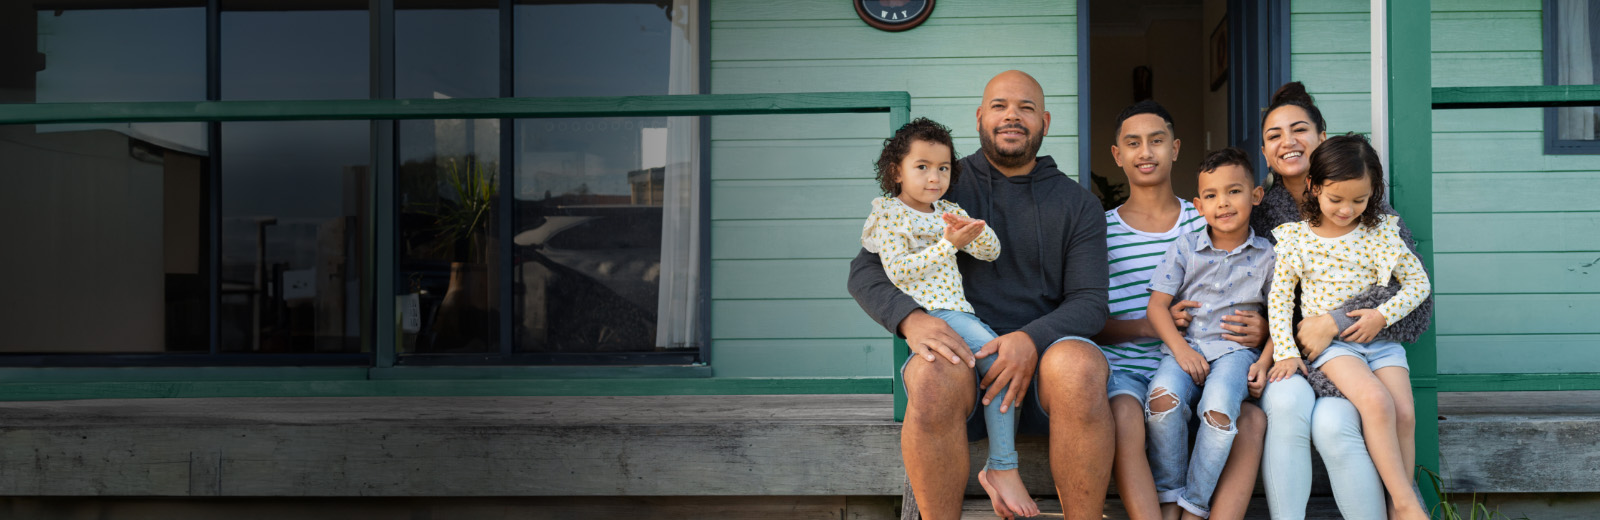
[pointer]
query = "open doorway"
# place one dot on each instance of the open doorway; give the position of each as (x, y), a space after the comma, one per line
(1211, 63)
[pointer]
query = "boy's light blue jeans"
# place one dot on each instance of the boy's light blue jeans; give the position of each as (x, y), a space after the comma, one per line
(1181, 477)
(1002, 426)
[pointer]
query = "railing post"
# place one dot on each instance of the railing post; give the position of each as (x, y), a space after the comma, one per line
(1410, 127)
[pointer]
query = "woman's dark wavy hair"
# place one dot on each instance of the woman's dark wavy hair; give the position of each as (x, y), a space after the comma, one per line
(1343, 158)
(896, 147)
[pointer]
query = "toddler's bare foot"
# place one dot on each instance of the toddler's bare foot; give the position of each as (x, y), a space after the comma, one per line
(1007, 492)
(994, 495)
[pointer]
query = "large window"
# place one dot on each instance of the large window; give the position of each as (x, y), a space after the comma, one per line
(1572, 57)
(533, 241)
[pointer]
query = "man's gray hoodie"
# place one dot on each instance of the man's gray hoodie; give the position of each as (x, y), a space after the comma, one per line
(1050, 280)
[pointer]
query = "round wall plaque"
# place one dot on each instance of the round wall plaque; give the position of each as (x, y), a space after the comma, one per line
(894, 15)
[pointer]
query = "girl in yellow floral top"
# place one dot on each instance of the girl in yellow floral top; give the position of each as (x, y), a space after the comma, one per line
(917, 234)
(1344, 246)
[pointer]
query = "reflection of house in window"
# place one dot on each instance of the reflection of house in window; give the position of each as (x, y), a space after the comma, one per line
(646, 186)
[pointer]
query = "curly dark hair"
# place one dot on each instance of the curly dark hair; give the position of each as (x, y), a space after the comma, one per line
(1227, 156)
(896, 147)
(1343, 158)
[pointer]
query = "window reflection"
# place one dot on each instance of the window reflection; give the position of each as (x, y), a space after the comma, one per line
(103, 228)
(449, 180)
(95, 55)
(606, 208)
(294, 194)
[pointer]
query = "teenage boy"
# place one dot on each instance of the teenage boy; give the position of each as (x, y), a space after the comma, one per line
(1137, 235)
(1224, 268)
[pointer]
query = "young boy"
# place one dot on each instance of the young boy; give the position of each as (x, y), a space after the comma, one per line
(1137, 234)
(1225, 268)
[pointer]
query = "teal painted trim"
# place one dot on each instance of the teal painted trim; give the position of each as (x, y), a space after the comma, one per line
(441, 388)
(169, 374)
(902, 352)
(1534, 382)
(363, 109)
(1516, 97)
(417, 373)
(1410, 95)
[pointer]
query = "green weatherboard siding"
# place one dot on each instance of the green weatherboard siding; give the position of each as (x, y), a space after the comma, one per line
(789, 193)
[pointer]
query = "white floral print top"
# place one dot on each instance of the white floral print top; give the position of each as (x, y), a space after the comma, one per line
(1331, 270)
(915, 254)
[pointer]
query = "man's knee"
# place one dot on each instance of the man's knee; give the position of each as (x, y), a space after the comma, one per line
(940, 391)
(1074, 362)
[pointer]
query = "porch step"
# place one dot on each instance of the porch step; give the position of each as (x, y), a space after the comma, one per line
(810, 445)
(1320, 508)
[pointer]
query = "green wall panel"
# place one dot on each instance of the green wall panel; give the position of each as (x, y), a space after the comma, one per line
(1504, 152)
(960, 114)
(1517, 232)
(781, 239)
(937, 38)
(1333, 73)
(1507, 273)
(1329, 6)
(1527, 353)
(794, 319)
(757, 279)
(1487, 31)
(794, 199)
(1489, 120)
(805, 357)
(1515, 191)
(1518, 314)
(1487, 69)
(1440, 6)
(795, 159)
(958, 77)
(1331, 32)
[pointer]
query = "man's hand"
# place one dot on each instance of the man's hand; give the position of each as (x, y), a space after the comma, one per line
(1193, 363)
(1258, 375)
(1180, 313)
(1285, 369)
(1248, 328)
(1012, 369)
(1371, 322)
(1315, 334)
(962, 231)
(931, 338)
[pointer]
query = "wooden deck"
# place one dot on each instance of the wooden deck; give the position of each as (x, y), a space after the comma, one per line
(714, 447)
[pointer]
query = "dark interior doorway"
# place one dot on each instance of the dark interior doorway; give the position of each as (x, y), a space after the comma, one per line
(1211, 63)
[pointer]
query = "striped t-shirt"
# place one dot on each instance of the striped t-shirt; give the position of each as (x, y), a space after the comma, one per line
(1133, 255)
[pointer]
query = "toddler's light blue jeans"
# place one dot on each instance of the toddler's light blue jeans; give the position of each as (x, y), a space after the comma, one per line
(1189, 479)
(1002, 426)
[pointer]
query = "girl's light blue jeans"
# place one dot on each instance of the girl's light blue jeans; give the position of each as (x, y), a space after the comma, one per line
(1295, 418)
(1002, 426)
(1182, 477)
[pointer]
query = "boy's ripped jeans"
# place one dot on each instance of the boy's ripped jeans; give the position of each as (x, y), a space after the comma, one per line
(1181, 477)
(1002, 426)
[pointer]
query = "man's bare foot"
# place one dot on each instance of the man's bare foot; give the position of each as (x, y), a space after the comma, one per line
(1006, 491)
